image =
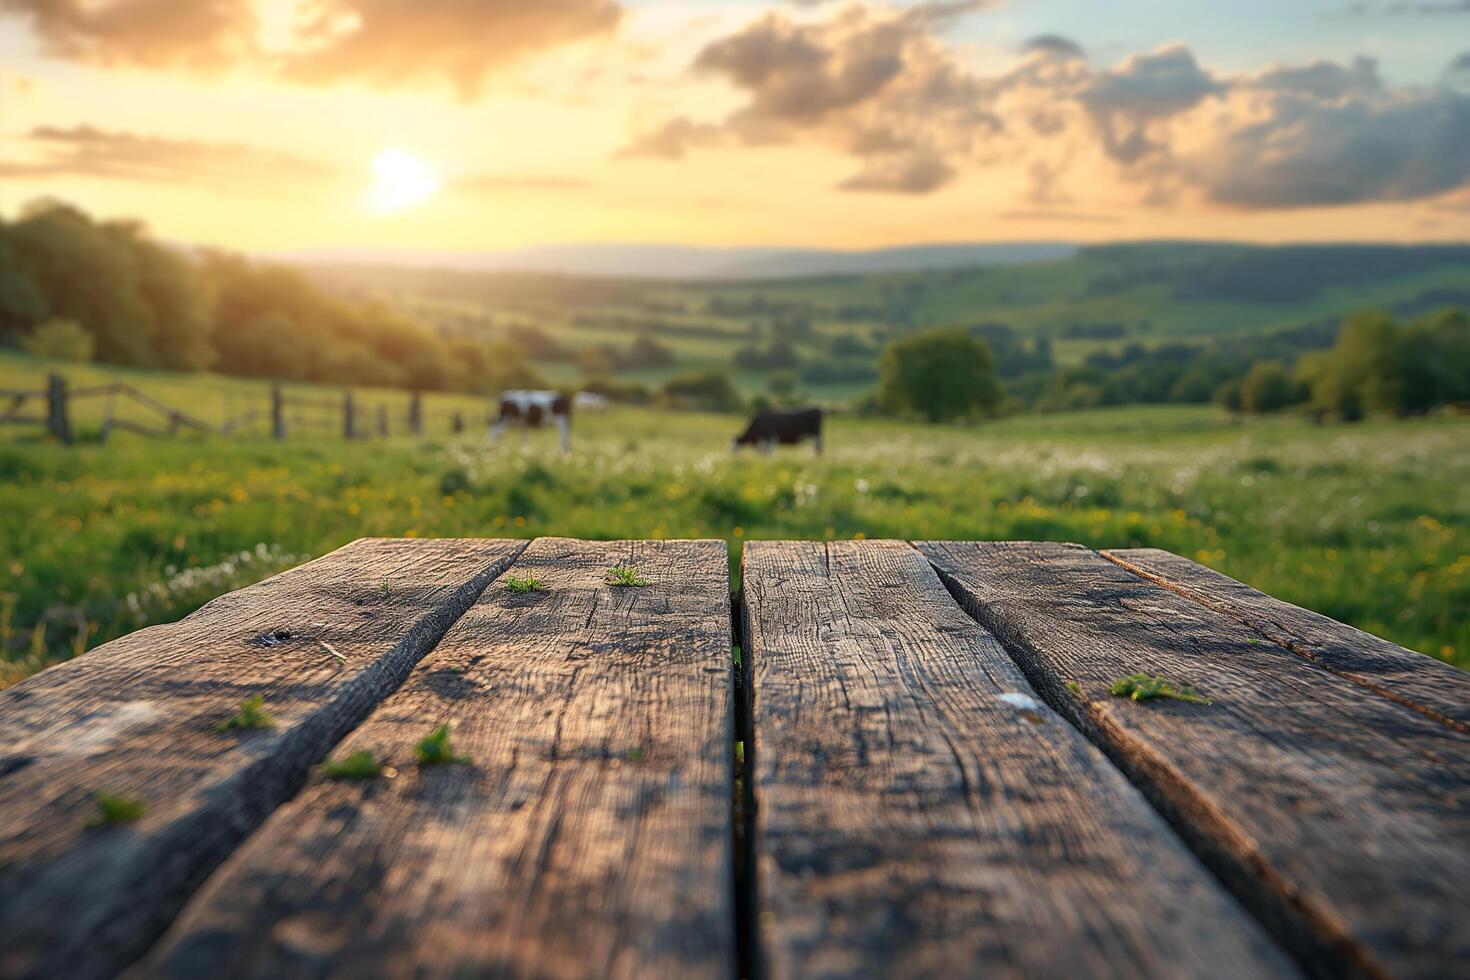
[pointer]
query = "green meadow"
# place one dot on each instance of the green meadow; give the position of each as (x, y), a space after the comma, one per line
(1368, 523)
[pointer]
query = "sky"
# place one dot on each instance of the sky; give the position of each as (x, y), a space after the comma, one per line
(444, 126)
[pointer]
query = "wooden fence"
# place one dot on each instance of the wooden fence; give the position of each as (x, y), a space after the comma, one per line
(52, 408)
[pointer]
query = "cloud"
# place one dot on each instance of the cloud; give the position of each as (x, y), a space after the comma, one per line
(387, 44)
(872, 82)
(1310, 152)
(915, 171)
(1145, 89)
(1054, 45)
(880, 86)
(394, 44)
(1325, 79)
(673, 138)
(198, 34)
(86, 151)
(1457, 75)
(1422, 9)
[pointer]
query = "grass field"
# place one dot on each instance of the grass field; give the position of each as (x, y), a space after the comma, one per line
(1369, 524)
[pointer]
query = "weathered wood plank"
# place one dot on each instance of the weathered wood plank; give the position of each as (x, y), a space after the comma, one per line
(1429, 686)
(588, 834)
(138, 717)
(921, 813)
(1342, 819)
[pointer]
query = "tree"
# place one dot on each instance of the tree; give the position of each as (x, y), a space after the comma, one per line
(62, 340)
(1377, 365)
(1267, 387)
(88, 274)
(941, 374)
(1194, 385)
(182, 308)
(1228, 395)
(647, 352)
(21, 302)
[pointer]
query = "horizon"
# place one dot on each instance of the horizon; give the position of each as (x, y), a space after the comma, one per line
(270, 126)
(693, 263)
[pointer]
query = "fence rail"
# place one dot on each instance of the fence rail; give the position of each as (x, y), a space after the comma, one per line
(52, 408)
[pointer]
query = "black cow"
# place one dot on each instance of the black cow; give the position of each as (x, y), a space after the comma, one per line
(530, 409)
(787, 427)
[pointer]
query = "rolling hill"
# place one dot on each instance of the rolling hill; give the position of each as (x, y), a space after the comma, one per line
(1099, 298)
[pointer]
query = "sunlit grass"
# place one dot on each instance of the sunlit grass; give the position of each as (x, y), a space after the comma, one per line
(1369, 523)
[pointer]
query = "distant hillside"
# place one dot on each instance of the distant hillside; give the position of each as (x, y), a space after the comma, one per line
(697, 263)
(1087, 306)
(1164, 289)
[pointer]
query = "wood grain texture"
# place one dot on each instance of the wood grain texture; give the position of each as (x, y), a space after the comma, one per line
(1341, 818)
(588, 834)
(921, 813)
(139, 716)
(1429, 686)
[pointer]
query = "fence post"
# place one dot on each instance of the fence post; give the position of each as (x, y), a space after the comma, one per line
(349, 431)
(458, 423)
(383, 421)
(278, 413)
(56, 416)
(416, 414)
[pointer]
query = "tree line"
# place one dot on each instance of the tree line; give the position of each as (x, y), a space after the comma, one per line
(1377, 365)
(1373, 364)
(73, 286)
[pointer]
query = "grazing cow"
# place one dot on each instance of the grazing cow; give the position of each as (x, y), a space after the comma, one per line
(590, 401)
(787, 427)
(530, 409)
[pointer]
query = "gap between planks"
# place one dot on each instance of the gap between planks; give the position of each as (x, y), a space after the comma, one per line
(1419, 682)
(584, 830)
(1291, 808)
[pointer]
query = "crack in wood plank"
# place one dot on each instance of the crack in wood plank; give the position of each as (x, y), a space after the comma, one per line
(915, 817)
(588, 834)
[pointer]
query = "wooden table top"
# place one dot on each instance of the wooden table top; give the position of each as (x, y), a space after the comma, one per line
(882, 758)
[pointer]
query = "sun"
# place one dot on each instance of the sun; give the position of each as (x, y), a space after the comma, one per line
(400, 180)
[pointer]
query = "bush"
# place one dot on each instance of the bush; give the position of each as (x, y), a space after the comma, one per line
(1382, 366)
(1228, 395)
(1268, 387)
(61, 340)
(940, 374)
(710, 391)
(623, 393)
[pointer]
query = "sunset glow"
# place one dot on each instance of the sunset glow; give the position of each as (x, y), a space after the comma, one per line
(400, 180)
(246, 123)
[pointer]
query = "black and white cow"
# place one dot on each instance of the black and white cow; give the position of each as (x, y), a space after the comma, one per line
(531, 409)
(787, 427)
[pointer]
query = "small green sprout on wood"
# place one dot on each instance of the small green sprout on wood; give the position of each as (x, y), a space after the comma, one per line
(1075, 688)
(359, 765)
(252, 714)
(113, 808)
(1142, 687)
(625, 576)
(384, 587)
(527, 584)
(435, 750)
